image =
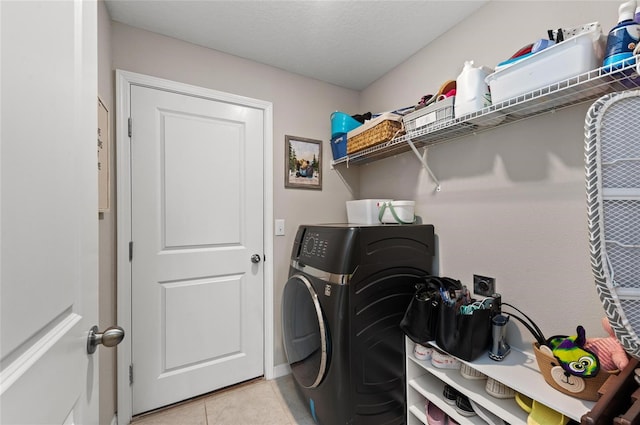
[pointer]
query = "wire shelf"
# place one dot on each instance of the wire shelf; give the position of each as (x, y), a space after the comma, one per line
(572, 91)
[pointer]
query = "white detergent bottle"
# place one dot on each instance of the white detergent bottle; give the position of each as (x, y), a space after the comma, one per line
(472, 92)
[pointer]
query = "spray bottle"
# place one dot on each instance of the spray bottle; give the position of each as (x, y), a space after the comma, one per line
(622, 38)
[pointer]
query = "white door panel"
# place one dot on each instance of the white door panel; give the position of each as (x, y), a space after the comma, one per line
(49, 203)
(197, 217)
(211, 298)
(194, 213)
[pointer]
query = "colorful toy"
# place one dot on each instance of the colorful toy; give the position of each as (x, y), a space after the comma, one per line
(573, 357)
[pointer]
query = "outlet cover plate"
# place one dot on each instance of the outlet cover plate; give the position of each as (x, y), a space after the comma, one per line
(483, 285)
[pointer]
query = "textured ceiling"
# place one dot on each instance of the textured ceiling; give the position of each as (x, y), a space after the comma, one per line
(347, 43)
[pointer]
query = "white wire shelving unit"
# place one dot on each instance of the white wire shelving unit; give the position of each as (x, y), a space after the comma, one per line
(572, 91)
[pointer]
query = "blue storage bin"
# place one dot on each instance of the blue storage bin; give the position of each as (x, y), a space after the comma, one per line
(339, 146)
(342, 123)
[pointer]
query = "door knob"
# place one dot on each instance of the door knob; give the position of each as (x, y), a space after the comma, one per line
(255, 258)
(111, 337)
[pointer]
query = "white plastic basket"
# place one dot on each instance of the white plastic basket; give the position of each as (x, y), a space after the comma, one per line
(439, 111)
(401, 212)
(364, 211)
(572, 57)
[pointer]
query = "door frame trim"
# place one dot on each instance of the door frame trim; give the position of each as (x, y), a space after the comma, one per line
(124, 81)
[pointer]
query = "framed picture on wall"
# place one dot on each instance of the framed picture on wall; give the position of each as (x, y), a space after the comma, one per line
(303, 163)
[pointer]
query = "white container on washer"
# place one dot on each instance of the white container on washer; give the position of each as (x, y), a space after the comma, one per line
(363, 211)
(397, 212)
(472, 92)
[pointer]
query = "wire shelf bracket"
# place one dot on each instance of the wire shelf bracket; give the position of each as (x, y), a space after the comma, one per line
(423, 160)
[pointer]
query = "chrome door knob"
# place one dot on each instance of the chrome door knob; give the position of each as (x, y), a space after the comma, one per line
(255, 258)
(111, 337)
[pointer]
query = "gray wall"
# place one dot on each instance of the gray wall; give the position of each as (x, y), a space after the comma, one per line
(512, 203)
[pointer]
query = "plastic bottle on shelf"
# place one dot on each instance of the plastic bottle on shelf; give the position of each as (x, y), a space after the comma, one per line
(472, 92)
(622, 38)
(541, 44)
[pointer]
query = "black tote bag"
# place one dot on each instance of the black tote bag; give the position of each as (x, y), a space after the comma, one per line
(421, 317)
(466, 336)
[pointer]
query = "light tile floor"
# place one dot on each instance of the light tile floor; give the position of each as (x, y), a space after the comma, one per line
(258, 402)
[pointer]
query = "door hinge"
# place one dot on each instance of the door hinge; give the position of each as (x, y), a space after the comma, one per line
(131, 374)
(130, 251)
(129, 124)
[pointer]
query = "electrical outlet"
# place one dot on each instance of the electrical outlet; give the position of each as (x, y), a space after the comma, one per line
(485, 286)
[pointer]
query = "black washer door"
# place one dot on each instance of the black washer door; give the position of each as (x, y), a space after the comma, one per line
(304, 332)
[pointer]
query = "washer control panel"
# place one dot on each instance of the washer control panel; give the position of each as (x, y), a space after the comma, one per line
(327, 248)
(314, 245)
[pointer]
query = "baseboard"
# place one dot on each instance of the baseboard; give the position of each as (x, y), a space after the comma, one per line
(281, 370)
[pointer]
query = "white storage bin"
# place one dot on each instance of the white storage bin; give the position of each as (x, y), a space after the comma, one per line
(438, 111)
(559, 62)
(363, 211)
(397, 212)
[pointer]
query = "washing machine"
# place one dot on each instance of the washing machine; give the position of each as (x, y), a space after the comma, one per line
(348, 289)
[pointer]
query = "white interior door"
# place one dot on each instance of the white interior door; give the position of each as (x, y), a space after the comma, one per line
(49, 216)
(196, 222)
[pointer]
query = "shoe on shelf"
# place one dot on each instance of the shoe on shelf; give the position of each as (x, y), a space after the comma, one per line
(444, 361)
(451, 421)
(470, 373)
(450, 394)
(463, 406)
(486, 415)
(498, 389)
(421, 352)
(543, 415)
(435, 416)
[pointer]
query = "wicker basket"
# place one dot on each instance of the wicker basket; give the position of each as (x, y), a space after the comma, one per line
(582, 388)
(380, 133)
